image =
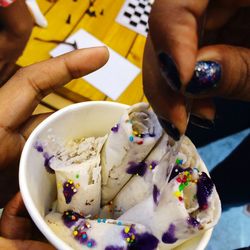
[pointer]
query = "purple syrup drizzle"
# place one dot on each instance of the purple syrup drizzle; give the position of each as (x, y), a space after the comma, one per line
(144, 241)
(70, 218)
(38, 146)
(193, 222)
(177, 170)
(68, 191)
(169, 236)
(47, 159)
(115, 128)
(114, 248)
(156, 194)
(137, 168)
(204, 190)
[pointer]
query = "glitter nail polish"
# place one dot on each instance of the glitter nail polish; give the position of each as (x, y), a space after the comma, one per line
(207, 75)
(201, 122)
(169, 71)
(170, 129)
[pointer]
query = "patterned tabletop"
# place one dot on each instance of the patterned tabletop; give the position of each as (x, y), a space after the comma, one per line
(97, 17)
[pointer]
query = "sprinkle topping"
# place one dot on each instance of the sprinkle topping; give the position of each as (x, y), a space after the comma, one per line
(131, 138)
(184, 178)
(69, 189)
(153, 165)
(128, 234)
(80, 234)
(70, 218)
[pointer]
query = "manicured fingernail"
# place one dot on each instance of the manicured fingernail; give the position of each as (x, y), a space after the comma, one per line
(169, 71)
(201, 122)
(170, 129)
(207, 75)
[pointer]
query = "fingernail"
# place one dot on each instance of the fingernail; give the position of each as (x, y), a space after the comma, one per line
(169, 71)
(170, 129)
(207, 75)
(201, 122)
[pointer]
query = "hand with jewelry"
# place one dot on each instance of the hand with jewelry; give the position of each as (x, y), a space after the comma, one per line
(196, 50)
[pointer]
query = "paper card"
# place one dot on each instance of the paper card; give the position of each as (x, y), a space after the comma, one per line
(114, 77)
(134, 15)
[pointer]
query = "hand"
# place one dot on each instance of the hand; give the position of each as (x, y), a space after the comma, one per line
(17, 230)
(20, 96)
(16, 25)
(177, 29)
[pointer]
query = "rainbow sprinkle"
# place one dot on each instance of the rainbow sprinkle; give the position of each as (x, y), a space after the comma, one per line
(184, 178)
(80, 234)
(128, 234)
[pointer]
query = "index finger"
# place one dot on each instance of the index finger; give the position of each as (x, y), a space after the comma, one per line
(21, 94)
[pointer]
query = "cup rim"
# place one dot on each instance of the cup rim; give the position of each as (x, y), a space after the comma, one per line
(28, 201)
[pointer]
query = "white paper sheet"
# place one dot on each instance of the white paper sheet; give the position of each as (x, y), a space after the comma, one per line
(114, 77)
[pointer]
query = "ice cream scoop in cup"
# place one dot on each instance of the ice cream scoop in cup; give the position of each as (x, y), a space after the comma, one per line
(38, 183)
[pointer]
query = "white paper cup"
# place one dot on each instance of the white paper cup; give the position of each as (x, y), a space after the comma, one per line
(38, 188)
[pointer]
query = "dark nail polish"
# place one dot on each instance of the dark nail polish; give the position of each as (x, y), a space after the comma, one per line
(201, 122)
(169, 71)
(207, 75)
(170, 129)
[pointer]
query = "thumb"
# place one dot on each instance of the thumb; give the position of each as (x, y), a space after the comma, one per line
(173, 28)
(12, 224)
(24, 245)
(221, 71)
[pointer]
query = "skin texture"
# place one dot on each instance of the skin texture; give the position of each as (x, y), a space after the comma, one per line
(190, 31)
(18, 99)
(16, 25)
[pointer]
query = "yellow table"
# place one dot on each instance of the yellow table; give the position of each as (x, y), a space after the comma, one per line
(124, 41)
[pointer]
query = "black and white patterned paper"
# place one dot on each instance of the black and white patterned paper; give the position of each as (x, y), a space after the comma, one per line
(134, 15)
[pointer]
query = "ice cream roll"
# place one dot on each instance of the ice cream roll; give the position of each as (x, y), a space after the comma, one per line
(100, 234)
(127, 145)
(140, 187)
(78, 175)
(185, 206)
